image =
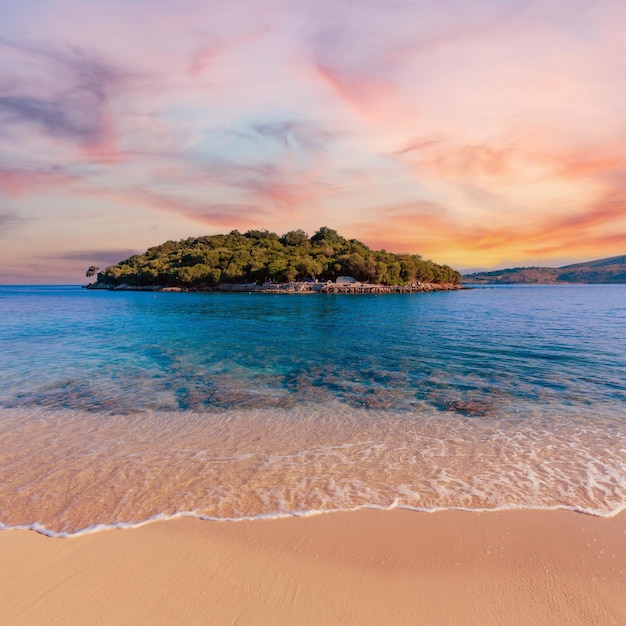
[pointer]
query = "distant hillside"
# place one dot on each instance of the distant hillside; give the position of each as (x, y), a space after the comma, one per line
(259, 255)
(612, 270)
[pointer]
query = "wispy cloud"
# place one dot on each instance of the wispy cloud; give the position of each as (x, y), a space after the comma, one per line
(99, 257)
(8, 221)
(290, 133)
(214, 215)
(37, 179)
(68, 98)
(214, 45)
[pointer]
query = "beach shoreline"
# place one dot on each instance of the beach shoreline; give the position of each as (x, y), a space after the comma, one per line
(366, 567)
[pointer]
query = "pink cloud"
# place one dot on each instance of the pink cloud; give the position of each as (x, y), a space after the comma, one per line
(209, 51)
(465, 161)
(203, 58)
(358, 92)
(19, 182)
(220, 215)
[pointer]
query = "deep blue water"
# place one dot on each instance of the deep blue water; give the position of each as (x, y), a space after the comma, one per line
(525, 360)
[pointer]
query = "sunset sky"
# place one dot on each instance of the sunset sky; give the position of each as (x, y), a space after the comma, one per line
(480, 134)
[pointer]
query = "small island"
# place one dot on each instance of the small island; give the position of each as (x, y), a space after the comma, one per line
(262, 261)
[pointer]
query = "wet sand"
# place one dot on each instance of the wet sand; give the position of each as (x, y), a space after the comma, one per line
(362, 567)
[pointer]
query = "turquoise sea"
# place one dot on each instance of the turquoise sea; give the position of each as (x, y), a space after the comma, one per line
(122, 407)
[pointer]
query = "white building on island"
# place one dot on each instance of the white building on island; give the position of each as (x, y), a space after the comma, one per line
(347, 280)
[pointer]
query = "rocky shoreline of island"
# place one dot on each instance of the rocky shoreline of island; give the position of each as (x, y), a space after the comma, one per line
(299, 287)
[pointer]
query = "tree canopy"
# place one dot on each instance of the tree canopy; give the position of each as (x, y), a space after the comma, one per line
(259, 256)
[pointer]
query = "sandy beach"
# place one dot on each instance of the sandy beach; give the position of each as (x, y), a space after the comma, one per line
(362, 567)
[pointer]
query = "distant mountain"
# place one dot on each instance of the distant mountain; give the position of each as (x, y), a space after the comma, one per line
(612, 270)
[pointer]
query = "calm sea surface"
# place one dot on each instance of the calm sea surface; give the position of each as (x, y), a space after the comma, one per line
(119, 407)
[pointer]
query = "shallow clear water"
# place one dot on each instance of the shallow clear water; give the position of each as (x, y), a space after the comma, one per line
(116, 407)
